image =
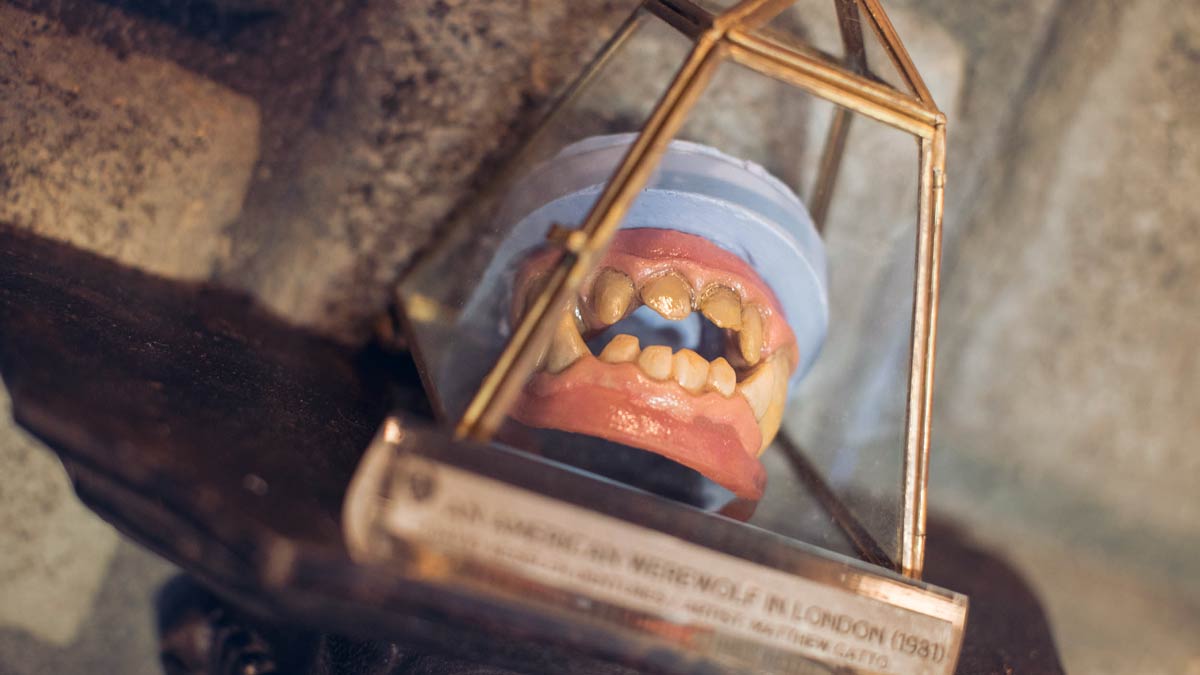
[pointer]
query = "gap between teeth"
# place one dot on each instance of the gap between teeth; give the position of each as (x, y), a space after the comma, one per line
(614, 296)
(685, 367)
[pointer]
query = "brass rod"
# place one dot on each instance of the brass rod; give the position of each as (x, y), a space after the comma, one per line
(747, 9)
(864, 544)
(683, 16)
(831, 164)
(856, 84)
(887, 35)
(502, 384)
(920, 386)
(749, 16)
(878, 103)
(850, 25)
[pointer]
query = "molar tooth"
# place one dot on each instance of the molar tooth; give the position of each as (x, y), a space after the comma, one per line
(690, 370)
(723, 307)
(750, 337)
(567, 345)
(668, 295)
(757, 388)
(721, 378)
(621, 349)
(655, 361)
(611, 296)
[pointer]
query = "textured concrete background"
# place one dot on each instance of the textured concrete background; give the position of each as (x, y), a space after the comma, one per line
(305, 151)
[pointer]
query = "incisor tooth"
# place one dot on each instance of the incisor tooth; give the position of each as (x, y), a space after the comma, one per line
(750, 337)
(567, 345)
(723, 307)
(668, 295)
(611, 296)
(721, 378)
(690, 370)
(757, 387)
(655, 361)
(621, 349)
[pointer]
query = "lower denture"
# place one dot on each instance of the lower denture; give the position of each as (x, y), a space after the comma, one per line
(620, 403)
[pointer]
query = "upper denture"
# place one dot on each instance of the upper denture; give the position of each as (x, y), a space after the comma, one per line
(644, 255)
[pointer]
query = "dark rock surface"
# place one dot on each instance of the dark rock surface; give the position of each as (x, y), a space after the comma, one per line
(373, 121)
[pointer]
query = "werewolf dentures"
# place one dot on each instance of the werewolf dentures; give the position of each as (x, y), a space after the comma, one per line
(715, 416)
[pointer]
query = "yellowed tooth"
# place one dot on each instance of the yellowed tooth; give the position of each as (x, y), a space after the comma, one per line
(621, 349)
(721, 378)
(567, 345)
(668, 295)
(773, 416)
(723, 307)
(690, 370)
(612, 294)
(757, 388)
(655, 361)
(750, 337)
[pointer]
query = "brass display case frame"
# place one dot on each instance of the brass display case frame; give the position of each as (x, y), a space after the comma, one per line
(734, 35)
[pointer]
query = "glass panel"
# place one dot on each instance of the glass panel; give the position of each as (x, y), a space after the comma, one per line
(809, 25)
(846, 414)
(879, 64)
(459, 297)
(850, 409)
(674, 366)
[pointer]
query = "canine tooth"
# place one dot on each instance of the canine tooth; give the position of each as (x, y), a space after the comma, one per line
(668, 295)
(750, 337)
(773, 417)
(723, 307)
(690, 370)
(721, 378)
(611, 296)
(567, 345)
(655, 361)
(621, 349)
(757, 388)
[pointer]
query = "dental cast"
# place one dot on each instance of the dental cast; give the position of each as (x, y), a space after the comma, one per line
(702, 413)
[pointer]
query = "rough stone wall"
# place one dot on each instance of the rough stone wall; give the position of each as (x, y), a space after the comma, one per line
(133, 157)
(346, 130)
(1067, 403)
(421, 98)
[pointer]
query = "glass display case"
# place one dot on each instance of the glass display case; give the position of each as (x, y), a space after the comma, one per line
(713, 282)
(662, 318)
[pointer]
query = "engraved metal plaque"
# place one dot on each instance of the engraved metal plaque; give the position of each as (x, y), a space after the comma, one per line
(547, 539)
